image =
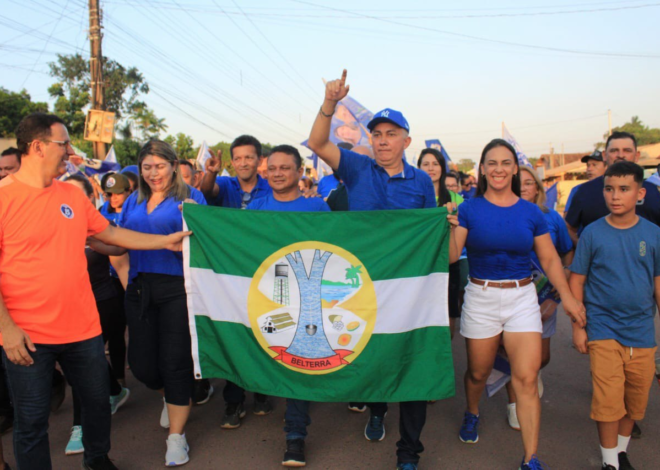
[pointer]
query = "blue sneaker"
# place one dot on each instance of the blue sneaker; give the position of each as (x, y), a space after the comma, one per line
(533, 464)
(469, 429)
(375, 429)
(406, 466)
(118, 400)
(75, 445)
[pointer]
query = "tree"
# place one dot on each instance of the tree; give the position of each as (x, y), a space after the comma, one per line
(645, 135)
(352, 274)
(183, 145)
(123, 87)
(310, 340)
(14, 107)
(465, 164)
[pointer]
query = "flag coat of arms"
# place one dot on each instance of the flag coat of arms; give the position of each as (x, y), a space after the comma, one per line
(322, 306)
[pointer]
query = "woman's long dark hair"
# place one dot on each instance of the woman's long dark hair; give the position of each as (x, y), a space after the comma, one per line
(482, 184)
(443, 193)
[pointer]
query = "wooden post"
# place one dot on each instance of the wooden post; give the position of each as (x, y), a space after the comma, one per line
(96, 68)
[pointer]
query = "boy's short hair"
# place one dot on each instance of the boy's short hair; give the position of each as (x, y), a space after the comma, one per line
(626, 168)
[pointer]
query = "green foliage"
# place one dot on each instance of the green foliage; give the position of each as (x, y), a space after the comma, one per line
(123, 87)
(465, 164)
(645, 135)
(127, 151)
(183, 145)
(14, 107)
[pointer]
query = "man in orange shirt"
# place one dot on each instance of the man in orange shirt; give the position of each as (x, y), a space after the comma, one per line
(47, 309)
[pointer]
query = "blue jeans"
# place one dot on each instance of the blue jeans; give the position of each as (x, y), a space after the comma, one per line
(86, 368)
(296, 419)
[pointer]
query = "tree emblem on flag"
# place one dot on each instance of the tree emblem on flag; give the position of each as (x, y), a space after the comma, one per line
(312, 307)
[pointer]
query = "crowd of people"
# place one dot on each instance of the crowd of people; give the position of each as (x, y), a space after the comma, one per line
(120, 268)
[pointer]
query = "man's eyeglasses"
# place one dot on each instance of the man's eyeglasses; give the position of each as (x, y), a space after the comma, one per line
(61, 143)
(247, 198)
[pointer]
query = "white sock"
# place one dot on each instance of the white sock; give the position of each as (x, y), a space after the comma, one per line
(622, 446)
(610, 456)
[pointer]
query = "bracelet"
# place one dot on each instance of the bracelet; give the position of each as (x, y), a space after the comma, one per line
(323, 114)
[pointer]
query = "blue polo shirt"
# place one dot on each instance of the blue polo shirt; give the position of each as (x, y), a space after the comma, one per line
(166, 218)
(371, 188)
(230, 193)
(302, 204)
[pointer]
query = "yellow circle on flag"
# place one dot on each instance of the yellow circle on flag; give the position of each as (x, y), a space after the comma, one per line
(312, 307)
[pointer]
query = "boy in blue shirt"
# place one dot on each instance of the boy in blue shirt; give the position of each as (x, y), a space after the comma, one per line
(616, 272)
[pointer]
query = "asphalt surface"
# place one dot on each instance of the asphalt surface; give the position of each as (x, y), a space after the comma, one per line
(336, 436)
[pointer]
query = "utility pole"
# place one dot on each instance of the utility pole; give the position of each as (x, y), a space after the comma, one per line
(96, 68)
(609, 121)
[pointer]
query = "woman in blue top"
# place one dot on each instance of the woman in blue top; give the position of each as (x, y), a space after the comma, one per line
(433, 163)
(499, 230)
(159, 351)
(531, 189)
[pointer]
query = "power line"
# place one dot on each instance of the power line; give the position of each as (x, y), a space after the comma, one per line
(477, 38)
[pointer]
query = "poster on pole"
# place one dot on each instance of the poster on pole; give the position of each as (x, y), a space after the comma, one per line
(100, 126)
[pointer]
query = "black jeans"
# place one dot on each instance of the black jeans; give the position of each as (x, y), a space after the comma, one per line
(113, 324)
(159, 350)
(412, 418)
(85, 366)
(234, 395)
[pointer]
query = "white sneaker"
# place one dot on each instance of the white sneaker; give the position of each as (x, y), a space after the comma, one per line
(177, 450)
(540, 382)
(512, 416)
(164, 417)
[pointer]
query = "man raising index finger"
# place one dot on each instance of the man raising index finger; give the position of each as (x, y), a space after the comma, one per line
(388, 182)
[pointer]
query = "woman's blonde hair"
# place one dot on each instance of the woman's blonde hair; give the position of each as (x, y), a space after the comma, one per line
(540, 196)
(178, 189)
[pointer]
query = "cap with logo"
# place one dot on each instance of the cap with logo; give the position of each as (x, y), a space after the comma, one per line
(597, 155)
(389, 115)
(117, 184)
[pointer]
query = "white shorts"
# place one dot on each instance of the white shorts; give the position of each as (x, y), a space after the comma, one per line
(488, 312)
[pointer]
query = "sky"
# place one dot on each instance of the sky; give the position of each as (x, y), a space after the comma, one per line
(220, 68)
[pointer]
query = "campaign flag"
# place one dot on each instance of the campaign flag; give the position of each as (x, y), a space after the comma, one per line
(324, 308)
(348, 127)
(435, 144)
(203, 154)
(522, 158)
(111, 157)
(99, 167)
(71, 169)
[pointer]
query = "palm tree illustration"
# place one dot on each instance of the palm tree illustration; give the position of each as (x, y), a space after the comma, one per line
(310, 340)
(352, 274)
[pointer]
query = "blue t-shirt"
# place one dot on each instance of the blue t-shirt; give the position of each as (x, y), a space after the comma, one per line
(621, 266)
(559, 234)
(588, 204)
(469, 194)
(111, 216)
(500, 239)
(230, 193)
(302, 204)
(371, 188)
(326, 185)
(164, 219)
(571, 195)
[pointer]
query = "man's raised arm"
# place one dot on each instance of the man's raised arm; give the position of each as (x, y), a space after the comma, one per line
(319, 138)
(212, 167)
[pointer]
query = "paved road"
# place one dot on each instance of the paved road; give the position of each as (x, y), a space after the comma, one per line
(568, 437)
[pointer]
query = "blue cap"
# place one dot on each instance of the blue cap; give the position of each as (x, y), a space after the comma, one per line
(388, 115)
(131, 168)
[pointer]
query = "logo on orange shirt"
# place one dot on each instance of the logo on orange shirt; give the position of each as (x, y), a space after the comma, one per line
(66, 211)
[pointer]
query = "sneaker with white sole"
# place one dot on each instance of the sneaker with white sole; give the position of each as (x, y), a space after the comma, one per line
(75, 445)
(540, 382)
(512, 416)
(177, 450)
(118, 400)
(164, 416)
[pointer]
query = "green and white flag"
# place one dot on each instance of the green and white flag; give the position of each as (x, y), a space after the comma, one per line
(321, 306)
